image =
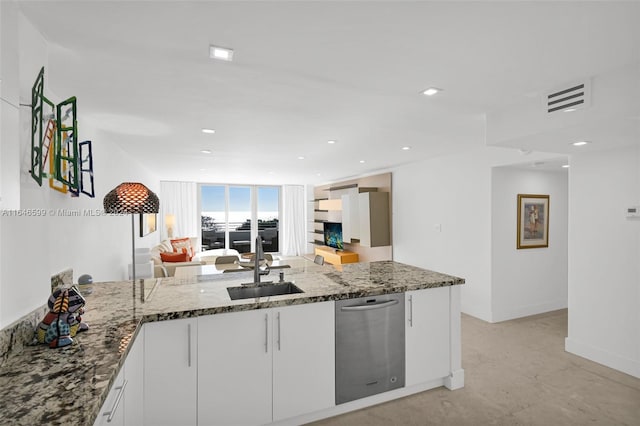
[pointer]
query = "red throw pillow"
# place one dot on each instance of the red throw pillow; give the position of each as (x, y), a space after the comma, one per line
(174, 257)
(182, 245)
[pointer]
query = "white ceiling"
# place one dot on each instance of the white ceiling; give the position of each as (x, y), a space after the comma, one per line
(306, 72)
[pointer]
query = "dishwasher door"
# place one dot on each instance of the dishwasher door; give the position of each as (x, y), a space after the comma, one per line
(369, 346)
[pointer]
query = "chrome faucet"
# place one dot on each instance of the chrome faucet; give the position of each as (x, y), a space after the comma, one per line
(256, 262)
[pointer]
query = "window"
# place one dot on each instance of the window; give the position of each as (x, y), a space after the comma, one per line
(232, 216)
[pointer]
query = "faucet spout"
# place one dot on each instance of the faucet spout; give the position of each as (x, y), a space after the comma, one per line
(256, 260)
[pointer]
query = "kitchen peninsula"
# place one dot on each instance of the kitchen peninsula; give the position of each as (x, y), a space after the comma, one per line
(75, 385)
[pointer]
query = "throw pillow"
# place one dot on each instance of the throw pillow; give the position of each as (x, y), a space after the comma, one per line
(182, 245)
(174, 257)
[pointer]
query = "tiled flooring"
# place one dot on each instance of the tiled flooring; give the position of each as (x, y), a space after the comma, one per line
(516, 373)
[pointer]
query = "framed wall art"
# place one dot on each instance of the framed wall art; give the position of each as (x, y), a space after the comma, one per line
(533, 221)
(148, 223)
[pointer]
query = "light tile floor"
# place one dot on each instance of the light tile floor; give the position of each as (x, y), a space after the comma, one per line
(516, 373)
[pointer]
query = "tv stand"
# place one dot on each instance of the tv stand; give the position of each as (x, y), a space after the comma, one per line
(336, 257)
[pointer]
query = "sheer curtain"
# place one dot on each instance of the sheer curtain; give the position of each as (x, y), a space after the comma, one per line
(180, 200)
(293, 238)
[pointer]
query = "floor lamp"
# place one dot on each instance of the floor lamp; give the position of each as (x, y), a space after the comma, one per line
(131, 198)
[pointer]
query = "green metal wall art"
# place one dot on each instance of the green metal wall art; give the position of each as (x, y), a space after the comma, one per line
(56, 154)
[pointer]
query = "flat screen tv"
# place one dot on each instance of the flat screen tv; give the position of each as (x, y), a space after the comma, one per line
(333, 235)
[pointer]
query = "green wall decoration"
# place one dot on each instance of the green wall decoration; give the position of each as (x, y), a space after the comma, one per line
(56, 154)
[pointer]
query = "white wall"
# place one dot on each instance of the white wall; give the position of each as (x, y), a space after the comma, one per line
(9, 94)
(24, 270)
(91, 242)
(442, 219)
(527, 281)
(604, 260)
(34, 248)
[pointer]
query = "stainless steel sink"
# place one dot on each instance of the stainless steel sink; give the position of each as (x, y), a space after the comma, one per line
(265, 290)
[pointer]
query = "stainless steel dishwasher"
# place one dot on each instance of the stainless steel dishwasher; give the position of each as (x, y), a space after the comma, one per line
(369, 346)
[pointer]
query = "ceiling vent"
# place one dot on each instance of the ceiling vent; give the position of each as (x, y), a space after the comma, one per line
(570, 98)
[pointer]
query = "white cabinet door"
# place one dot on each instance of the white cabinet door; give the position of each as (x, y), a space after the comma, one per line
(235, 353)
(303, 359)
(427, 335)
(134, 374)
(170, 372)
(112, 411)
(350, 218)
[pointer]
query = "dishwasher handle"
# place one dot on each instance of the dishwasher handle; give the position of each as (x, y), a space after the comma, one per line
(369, 306)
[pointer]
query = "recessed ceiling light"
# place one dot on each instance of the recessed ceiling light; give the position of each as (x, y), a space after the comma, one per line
(205, 151)
(301, 158)
(580, 143)
(565, 166)
(331, 142)
(406, 148)
(361, 161)
(431, 91)
(208, 131)
(221, 53)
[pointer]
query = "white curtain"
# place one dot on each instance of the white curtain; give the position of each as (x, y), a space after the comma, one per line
(293, 235)
(179, 199)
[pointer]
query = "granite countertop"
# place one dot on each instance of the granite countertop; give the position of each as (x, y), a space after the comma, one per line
(68, 385)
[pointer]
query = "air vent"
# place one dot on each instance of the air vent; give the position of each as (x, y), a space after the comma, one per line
(569, 98)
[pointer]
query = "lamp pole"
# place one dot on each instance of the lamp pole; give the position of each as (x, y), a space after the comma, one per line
(133, 248)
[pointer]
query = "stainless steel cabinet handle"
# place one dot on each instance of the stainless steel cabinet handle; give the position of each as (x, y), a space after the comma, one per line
(116, 403)
(189, 343)
(369, 306)
(266, 333)
(278, 317)
(411, 310)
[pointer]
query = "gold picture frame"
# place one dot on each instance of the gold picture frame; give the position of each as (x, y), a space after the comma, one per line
(148, 223)
(533, 221)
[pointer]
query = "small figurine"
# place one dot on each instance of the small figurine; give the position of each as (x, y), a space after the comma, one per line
(63, 320)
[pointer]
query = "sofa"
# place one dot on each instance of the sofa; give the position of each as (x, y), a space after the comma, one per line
(164, 268)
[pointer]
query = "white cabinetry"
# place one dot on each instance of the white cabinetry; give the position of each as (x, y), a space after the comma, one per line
(365, 217)
(134, 373)
(266, 365)
(123, 405)
(350, 218)
(112, 411)
(235, 350)
(170, 372)
(374, 219)
(303, 359)
(427, 335)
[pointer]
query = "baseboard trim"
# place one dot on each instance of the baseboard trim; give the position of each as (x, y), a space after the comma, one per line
(455, 380)
(526, 311)
(369, 401)
(625, 365)
(481, 315)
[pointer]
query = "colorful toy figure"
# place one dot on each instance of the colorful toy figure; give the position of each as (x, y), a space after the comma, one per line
(63, 320)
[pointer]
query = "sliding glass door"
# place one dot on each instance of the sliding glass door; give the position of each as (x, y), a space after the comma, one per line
(239, 223)
(232, 216)
(213, 216)
(269, 217)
